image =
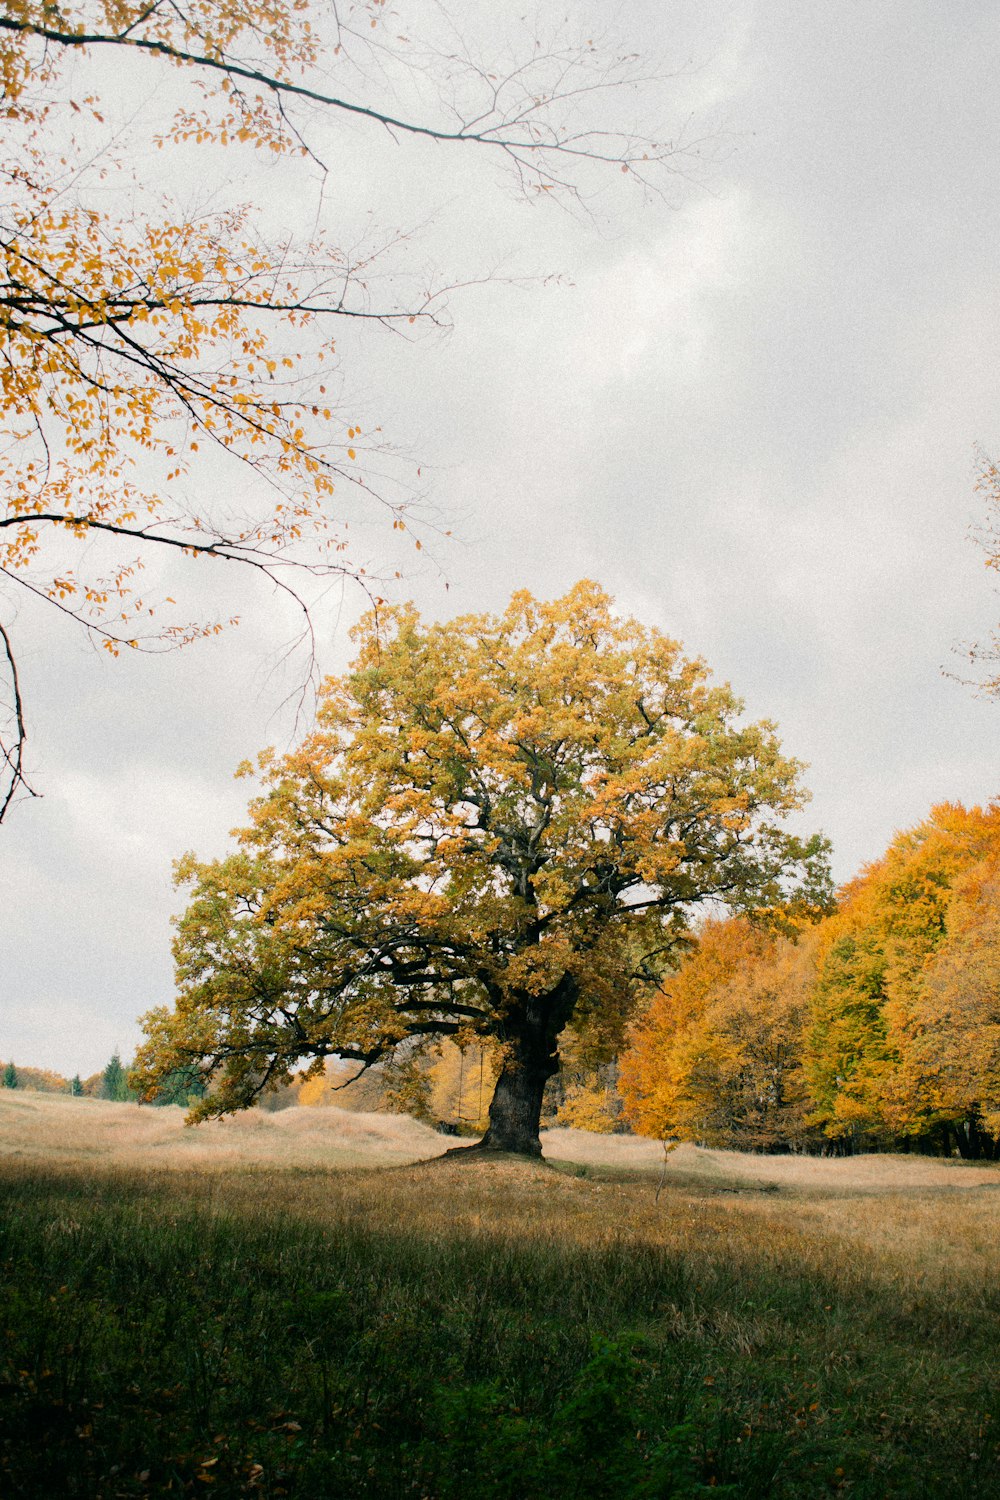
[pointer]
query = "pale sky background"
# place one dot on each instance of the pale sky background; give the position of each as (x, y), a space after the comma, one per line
(751, 414)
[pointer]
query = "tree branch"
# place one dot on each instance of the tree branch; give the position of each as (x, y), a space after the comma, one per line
(504, 136)
(13, 754)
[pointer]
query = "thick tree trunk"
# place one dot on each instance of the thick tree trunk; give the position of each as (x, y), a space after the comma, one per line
(516, 1108)
(532, 1028)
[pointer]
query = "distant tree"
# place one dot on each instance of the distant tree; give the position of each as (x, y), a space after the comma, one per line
(717, 1056)
(41, 1080)
(114, 1081)
(879, 1026)
(867, 1059)
(954, 1057)
(10, 1079)
(460, 1083)
(584, 1095)
(593, 1103)
(183, 1086)
(500, 825)
(652, 1080)
(76, 1086)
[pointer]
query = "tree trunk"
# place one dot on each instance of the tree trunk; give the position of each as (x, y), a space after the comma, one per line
(516, 1108)
(966, 1141)
(531, 1028)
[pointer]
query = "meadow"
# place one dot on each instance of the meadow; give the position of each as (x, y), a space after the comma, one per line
(313, 1303)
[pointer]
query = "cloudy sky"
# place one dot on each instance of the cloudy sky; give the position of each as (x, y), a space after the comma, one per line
(750, 412)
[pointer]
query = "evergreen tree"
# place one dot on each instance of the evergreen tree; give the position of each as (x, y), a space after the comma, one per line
(76, 1087)
(114, 1082)
(182, 1086)
(10, 1080)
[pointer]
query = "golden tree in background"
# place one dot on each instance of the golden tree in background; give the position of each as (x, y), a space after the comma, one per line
(879, 1027)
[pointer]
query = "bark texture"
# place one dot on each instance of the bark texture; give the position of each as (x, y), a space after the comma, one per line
(532, 1031)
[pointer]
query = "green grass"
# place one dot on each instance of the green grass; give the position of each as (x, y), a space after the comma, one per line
(440, 1333)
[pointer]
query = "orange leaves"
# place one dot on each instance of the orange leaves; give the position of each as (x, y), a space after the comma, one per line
(874, 1004)
(718, 1054)
(880, 1022)
(137, 339)
(121, 328)
(77, 505)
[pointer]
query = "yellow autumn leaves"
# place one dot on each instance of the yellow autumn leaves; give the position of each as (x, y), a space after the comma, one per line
(495, 818)
(878, 1025)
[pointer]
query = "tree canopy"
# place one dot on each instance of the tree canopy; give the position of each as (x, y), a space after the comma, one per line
(717, 1054)
(878, 1026)
(500, 824)
(152, 347)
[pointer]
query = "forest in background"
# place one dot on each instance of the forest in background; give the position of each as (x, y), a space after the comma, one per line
(875, 1028)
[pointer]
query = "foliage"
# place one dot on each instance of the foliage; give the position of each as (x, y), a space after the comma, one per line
(868, 1060)
(307, 1334)
(10, 1078)
(182, 1086)
(460, 1082)
(44, 1080)
(718, 1055)
(592, 1103)
(76, 1086)
(151, 336)
(499, 824)
(879, 1025)
(114, 1081)
(955, 1046)
(584, 1094)
(342, 1086)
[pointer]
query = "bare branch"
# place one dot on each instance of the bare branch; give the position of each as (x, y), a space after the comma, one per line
(12, 753)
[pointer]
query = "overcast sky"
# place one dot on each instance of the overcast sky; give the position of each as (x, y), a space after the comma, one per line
(750, 413)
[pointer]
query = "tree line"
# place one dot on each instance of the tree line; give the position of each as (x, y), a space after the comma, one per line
(872, 1026)
(877, 1027)
(111, 1082)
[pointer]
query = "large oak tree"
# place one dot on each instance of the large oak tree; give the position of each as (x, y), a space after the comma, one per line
(500, 824)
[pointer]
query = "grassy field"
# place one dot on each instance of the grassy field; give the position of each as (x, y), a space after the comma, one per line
(306, 1304)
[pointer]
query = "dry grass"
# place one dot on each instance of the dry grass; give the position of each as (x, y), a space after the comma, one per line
(846, 1312)
(905, 1217)
(58, 1130)
(54, 1128)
